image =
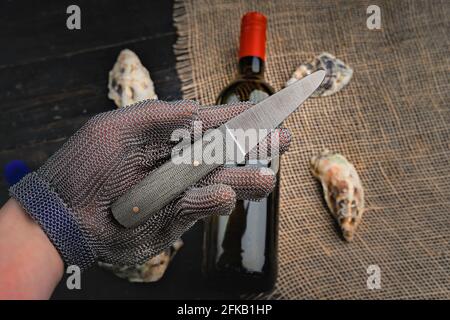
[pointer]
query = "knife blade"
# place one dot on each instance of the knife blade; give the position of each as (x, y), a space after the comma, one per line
(171, 179)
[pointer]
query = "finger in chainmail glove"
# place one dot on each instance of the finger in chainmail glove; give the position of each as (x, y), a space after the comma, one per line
(71, 194)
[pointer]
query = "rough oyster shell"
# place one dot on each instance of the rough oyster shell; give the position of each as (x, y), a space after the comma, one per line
(150, 271)
(342, 189)
(338, 74)
(129, 81)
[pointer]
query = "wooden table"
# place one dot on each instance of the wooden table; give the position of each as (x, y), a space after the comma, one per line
(52, 80)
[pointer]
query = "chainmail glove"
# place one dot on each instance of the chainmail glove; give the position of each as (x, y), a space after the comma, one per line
(71, 194)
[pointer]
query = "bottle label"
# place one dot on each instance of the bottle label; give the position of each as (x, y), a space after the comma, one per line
(232, 98)
(255, 97)
(258, 96)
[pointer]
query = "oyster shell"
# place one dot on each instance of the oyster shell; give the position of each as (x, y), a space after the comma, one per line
(129, 81)
(338, 74)
(342, 189)
(150, 271)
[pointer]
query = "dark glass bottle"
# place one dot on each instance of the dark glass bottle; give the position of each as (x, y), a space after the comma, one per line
(240, 250)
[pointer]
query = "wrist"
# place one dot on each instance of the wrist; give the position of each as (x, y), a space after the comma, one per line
(30, 266)
(57, 220)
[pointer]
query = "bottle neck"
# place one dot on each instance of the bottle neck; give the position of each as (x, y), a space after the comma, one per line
(251, 67)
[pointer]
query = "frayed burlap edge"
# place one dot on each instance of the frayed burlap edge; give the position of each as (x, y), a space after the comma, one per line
(182, 50)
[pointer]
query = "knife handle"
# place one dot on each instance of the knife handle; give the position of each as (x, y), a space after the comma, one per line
(157, 190)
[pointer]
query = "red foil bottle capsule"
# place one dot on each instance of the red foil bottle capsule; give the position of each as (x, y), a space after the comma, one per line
(253, 35)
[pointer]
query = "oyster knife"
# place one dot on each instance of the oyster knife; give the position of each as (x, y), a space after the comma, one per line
(171, 179)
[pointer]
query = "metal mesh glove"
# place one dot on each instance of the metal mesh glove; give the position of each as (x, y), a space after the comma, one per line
(71, 194)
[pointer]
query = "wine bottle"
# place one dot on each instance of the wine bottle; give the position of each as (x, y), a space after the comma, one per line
(240, 250)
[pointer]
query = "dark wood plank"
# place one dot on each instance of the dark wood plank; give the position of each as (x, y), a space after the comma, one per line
(183, 279)
(36, 30)
(49, 94)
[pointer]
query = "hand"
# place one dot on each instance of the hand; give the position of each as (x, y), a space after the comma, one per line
(71, 194)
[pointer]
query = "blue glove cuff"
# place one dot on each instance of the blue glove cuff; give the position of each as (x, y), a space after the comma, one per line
(55, 218)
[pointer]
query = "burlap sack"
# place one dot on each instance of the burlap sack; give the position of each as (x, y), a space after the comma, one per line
(392, 121)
